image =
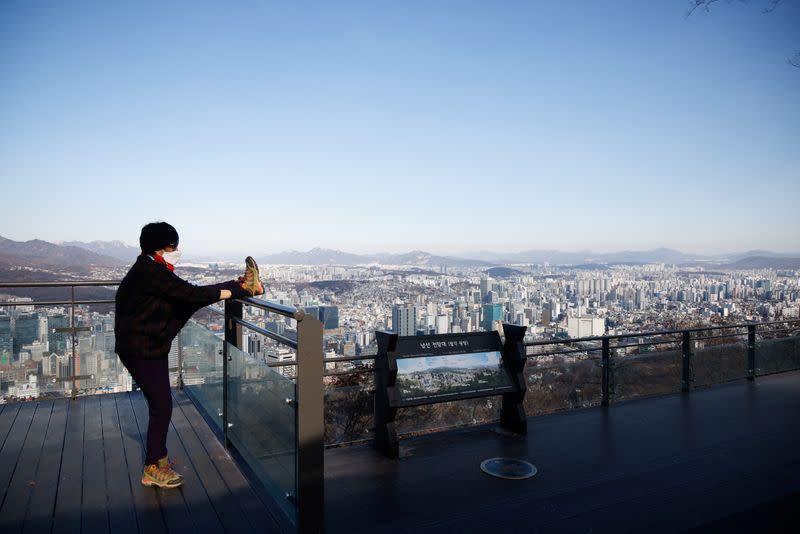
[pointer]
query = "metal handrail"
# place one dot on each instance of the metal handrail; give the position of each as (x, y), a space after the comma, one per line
(72, 302)
(676, 341)
(656, 333)
(287, 311)
(349, 358)
(268, 333)
(55, 303)
(71, 284)
(570, 351)
(703, 338)
(64, 283)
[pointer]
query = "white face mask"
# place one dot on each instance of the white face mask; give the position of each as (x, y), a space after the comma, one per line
(172, 257)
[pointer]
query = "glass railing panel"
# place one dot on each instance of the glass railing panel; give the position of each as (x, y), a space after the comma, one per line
(563, 382)
(349, 408)
(720, 360)
(37, 360)
(262, 425)
(448, 415)
(777, 355)
(201, 351)
(644, 371)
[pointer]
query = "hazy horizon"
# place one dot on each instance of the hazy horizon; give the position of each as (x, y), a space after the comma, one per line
(190, 252)
(449, 127)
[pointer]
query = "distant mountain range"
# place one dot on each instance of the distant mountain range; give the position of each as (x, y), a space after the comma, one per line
(41, 254)
(324, 256)
(584, 259)
(74, 254)
(658, 255)
(114, 249)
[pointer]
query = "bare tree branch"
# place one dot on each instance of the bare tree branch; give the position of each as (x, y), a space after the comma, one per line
(794, 60)
(706, 5)
(694, 4)
(771, 6)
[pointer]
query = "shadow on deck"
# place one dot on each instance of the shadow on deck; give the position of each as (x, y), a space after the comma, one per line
(76, 466)
(725, 458)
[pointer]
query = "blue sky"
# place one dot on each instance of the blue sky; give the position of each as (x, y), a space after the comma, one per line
(448, 126)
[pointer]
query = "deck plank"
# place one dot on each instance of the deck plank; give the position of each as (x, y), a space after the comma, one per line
(12, 447)
(95, 445)
(12, 512)
(173, 507)
(7, 417)
(121, 514)
(673, 463)
(254, 510)
(201, 511)
(223, 501)
(67, 517)
(660, 464)
(145, 502)
(94, 504)
(41, 506)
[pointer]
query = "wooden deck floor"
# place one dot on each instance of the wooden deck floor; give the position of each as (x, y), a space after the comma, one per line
(76, 466)
(722, 459)
(725, 459)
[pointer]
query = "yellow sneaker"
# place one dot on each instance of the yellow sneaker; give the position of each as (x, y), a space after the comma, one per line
(252, 279)
(155, 476)
(165, 464)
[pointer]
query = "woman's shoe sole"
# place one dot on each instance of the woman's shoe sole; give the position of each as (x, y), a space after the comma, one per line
(173, 484)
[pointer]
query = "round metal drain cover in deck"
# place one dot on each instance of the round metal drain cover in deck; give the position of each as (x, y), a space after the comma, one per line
(508, 468)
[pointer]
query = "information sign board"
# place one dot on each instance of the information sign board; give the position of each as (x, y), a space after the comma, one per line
(417, 370)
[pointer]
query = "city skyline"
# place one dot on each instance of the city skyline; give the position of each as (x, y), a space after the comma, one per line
(473, 360)
(266, 127)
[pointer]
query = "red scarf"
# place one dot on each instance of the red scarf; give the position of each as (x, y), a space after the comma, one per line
(160, 259)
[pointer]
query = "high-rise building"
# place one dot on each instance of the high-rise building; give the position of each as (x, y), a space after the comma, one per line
(547, 314)
(641, 299)
(491, 313)
(404, 320)
(486, 285)
(26, 330)
(586, 326)
(442, 324)
(6, 337)
(57, 340)
(329, 317)
(313, 311)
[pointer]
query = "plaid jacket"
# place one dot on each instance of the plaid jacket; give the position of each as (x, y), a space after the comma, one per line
(152, 305)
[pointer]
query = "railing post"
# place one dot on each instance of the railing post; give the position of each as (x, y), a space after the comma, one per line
(606, 369)
(310, 425)
(233, 335)
(75, 356)
(687, 361)
(180, 362)
(751, 352)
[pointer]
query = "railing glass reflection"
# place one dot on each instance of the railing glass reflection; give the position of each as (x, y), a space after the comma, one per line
(262, 425)
(778, 355)
(201, 351)
(560, 377)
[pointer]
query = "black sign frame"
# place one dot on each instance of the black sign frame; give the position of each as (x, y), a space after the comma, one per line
(392, 348)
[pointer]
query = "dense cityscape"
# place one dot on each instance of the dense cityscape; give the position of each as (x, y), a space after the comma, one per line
(554, 302)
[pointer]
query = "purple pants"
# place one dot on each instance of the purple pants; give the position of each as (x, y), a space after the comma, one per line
(152, 376)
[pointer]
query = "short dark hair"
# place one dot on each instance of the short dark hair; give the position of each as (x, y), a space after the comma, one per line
(157, 235)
